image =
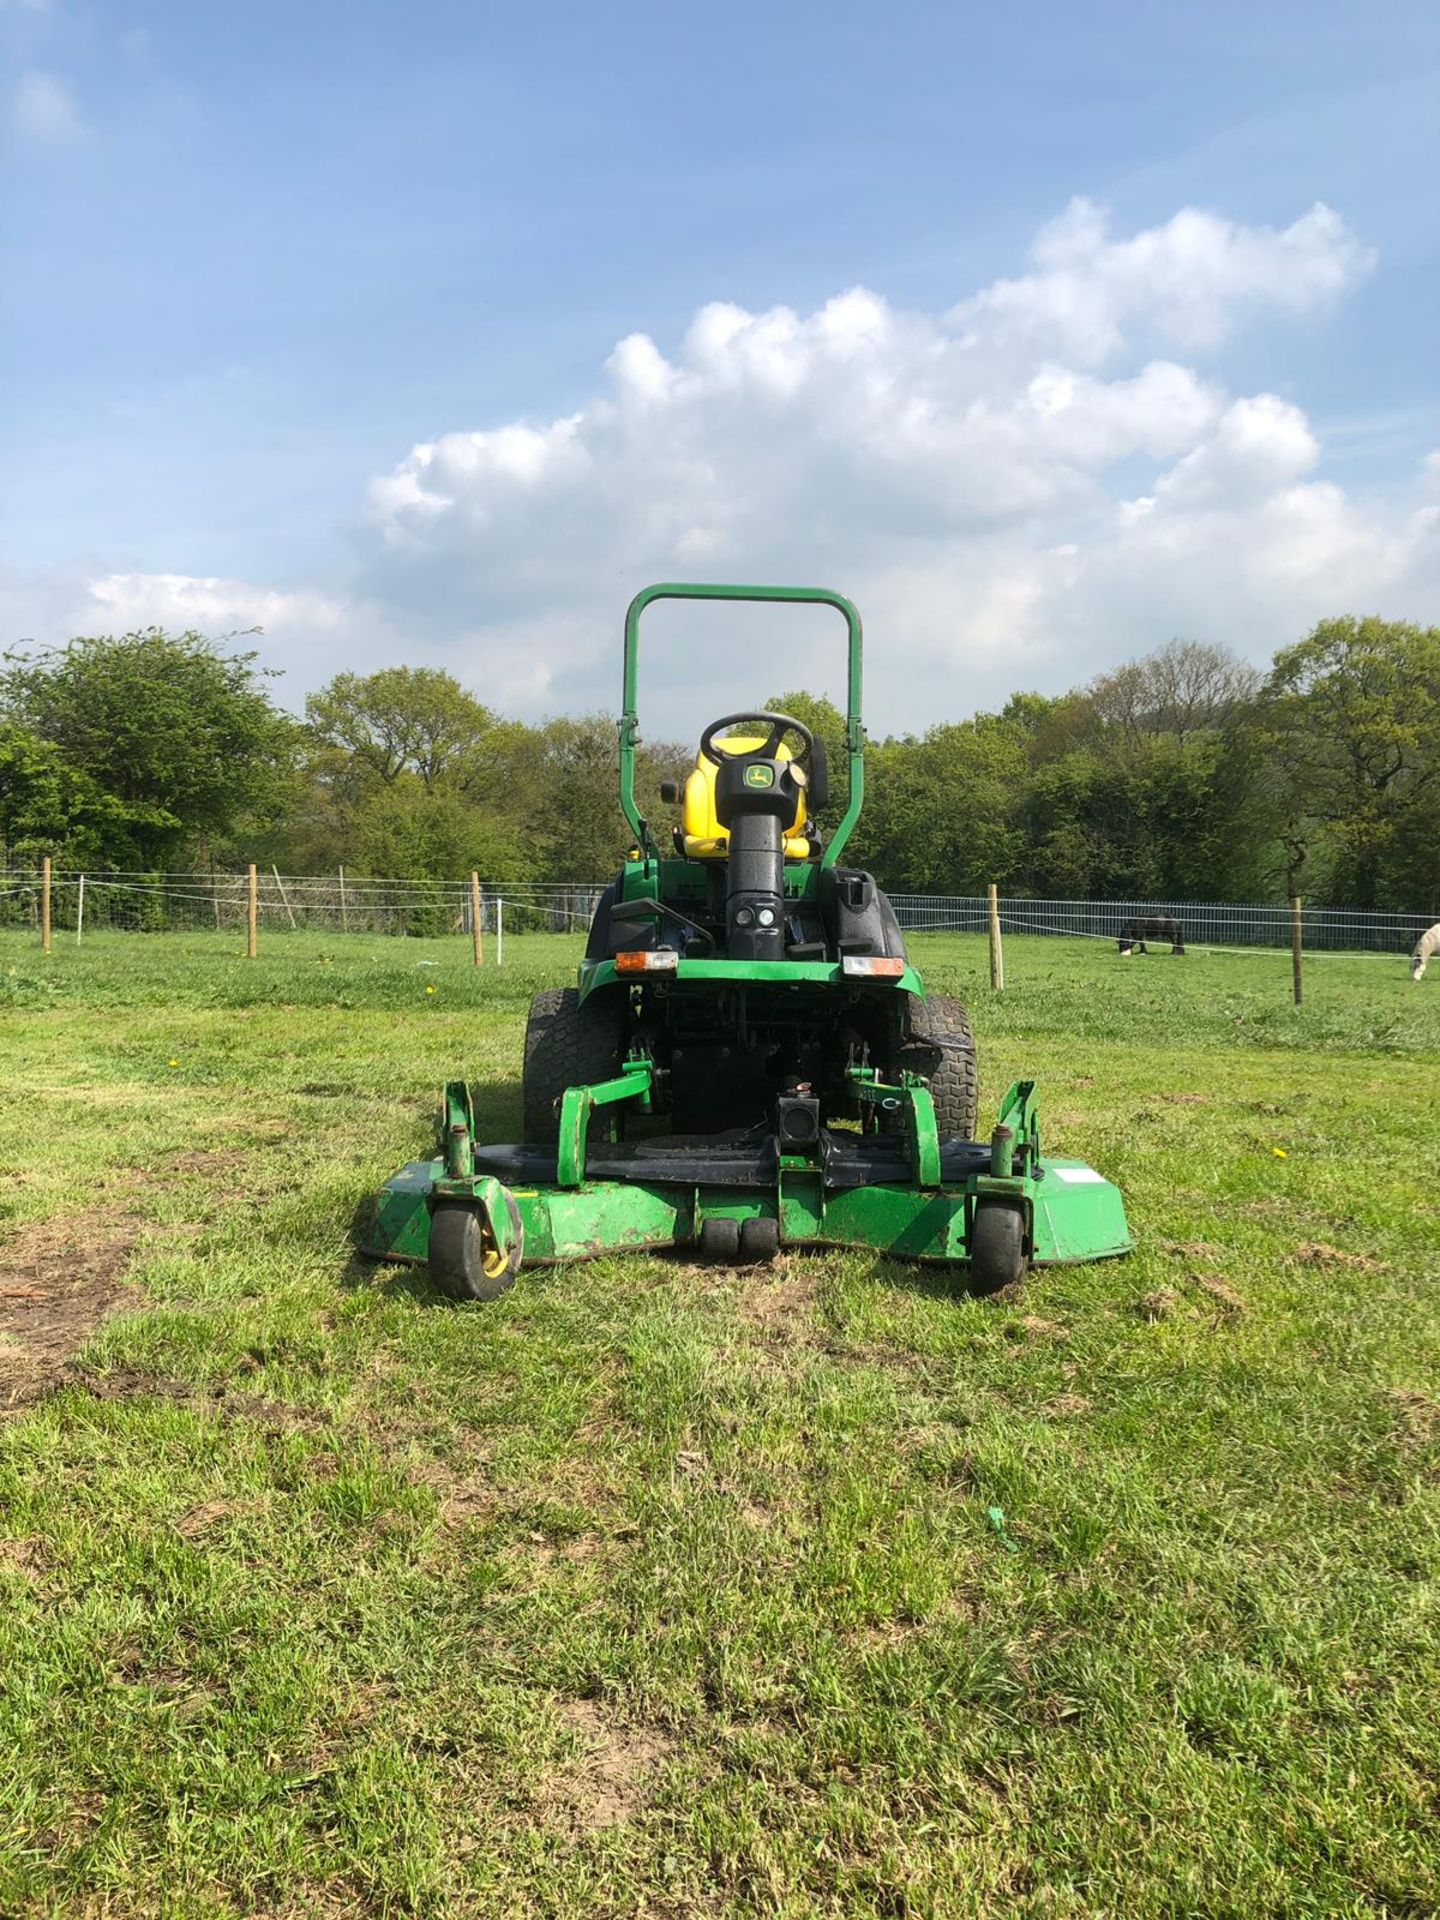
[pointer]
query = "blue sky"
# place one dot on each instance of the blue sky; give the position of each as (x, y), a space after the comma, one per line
(253, 255)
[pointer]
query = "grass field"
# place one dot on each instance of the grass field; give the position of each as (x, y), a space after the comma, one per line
(661, 1590)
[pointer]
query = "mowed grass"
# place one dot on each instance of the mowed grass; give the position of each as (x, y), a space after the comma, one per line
(655, 1589)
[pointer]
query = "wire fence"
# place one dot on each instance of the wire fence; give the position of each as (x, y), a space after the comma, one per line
(339, 903)
(217, 902)
(1244, 927)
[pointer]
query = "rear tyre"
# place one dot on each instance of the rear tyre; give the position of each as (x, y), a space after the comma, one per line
(939, 1046)
(997, 1247)
(567, 1045)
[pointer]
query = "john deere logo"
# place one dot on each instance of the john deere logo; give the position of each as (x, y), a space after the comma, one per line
(760, 776)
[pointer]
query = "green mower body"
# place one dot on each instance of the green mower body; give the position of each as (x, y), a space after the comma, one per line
(748, 1060)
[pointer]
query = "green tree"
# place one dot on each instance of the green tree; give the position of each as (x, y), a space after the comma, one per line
(577, 815)
(47, 806)
(180, 738)
(400, 720)
(1184, 689)
(1350, 726)
(941, 811)
(407, 830)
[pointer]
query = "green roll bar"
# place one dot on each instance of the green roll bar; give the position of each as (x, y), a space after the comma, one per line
(630, 717)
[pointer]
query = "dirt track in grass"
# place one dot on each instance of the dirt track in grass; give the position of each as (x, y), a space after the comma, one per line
(59, 1279)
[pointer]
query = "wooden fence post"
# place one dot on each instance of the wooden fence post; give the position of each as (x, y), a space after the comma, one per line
(344, 908)
(252, 913)
(997, 952)
(80, 911)
(1295, 944)
(45, 904)
(477, 932)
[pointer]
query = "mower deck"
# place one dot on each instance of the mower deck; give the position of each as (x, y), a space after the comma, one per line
(477, 1212)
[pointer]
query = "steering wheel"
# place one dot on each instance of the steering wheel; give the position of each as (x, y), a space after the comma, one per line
(779, 724)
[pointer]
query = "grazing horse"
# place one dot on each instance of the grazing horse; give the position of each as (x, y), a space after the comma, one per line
(1426, 947)
(1151, 926)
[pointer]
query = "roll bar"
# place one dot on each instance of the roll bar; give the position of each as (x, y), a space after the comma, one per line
(630, 717)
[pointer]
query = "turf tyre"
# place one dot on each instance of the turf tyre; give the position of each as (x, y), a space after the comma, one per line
(940, 1046)
(997, 1247)
(567, 1044)
(464, 1262)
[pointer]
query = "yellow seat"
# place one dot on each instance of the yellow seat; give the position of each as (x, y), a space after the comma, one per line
(703, 836)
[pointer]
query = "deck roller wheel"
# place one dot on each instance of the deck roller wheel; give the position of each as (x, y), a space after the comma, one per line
(465, 1261)
(720, 1241)
(759, 1240)
(997, 1246)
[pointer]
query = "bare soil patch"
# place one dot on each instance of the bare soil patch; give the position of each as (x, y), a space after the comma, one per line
(1192, 1249)
(778, 1296)
(130, 1383)
(198, 1160)
(1419, 1416)
(1034, 1326)
(1219, 1291)
(202, 1518)
(1065, 1406)
(58, 1280)
(608, 1782)
(1316, 1253)
(30, 1557)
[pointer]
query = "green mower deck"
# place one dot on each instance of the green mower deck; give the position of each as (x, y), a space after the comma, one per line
(477, 1213)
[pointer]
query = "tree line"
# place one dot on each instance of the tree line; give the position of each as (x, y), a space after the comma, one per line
(1185, 775)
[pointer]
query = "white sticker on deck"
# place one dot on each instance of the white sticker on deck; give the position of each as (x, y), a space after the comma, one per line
(1078, 1176)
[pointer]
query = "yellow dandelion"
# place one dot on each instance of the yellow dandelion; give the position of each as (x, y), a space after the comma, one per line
(172, 1063)
(429, 989)
(1279, 1153)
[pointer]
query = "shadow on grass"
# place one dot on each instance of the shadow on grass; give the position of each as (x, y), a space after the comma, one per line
(948, 1283)
(391, 1280)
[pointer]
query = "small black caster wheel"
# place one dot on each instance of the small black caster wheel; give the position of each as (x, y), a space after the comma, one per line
(465, 1261)
(759, 1240)
(720, 1241)
(997, 1247)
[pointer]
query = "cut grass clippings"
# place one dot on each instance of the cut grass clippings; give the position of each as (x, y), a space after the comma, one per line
(657, 1589)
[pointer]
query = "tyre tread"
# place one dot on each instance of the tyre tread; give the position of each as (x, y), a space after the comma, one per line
(567, 1044)
(940, 1024)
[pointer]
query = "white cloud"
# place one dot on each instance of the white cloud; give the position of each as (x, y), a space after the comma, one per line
(970, 477)
(44, 109)
(1034, 485)
(128, 601)
(1189, 281)
(309, 636)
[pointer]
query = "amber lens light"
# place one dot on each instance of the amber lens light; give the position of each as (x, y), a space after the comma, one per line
(663, 960)
(859, 966)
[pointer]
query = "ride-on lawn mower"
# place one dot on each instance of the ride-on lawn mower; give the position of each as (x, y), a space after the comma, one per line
(748, 1060)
